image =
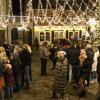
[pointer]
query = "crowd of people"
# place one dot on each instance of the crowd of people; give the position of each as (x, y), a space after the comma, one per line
(77, 63)
(15, 69)
(72, 63)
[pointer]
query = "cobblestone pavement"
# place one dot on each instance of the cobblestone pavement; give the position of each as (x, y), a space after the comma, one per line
(41, 87)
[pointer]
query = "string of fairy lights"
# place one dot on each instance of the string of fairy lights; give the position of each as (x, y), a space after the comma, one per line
(59, 16)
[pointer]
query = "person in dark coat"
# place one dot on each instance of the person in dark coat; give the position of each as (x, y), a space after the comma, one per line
(53, 54)
(30, 59)
(90, 56)
(98, 75)
(74, 64)
(16, 66)
(9, 80)
(25, 63)
(16, 72)
(60, 78)
(36, 43)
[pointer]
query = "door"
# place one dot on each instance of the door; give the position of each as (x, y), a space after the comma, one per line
(52, 36)
(2, 36)
(14, 34)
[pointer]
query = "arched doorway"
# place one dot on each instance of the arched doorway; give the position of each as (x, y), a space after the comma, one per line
(20, 35)
(14, 35)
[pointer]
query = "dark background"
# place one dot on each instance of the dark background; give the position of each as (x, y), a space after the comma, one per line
(16, 5)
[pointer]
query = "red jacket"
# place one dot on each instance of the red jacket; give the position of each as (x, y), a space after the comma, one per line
(8, 76)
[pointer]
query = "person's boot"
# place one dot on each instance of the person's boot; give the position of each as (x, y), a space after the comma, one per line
(54, 94)
(82, 94)
(31, 79)
(27, 86)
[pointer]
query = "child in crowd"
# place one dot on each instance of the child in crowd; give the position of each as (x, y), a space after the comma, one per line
(60, 79)
(8, 76)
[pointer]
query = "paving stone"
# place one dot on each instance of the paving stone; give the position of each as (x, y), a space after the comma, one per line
(41, 87)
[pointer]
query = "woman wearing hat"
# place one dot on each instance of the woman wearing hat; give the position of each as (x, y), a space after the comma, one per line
(60, 79)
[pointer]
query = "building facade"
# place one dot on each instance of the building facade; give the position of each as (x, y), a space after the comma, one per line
(3, 30)
(41, 29)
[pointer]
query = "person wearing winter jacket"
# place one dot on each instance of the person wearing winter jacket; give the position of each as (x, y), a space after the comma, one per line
(25, 63)
(90, 56)
(98, 75)
(9, 80)
(60, 78)
(74, 64)
(16, 66)
(82, 74)
(30, 66)
(30, 59)
(53, 54)
(44, 58)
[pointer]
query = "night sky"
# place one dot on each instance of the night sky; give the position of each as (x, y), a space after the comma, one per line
(16, 5)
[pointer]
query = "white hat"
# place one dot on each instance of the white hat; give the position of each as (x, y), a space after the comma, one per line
(88, 46)
(61, 54)
(16, 46)
(82, 51)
